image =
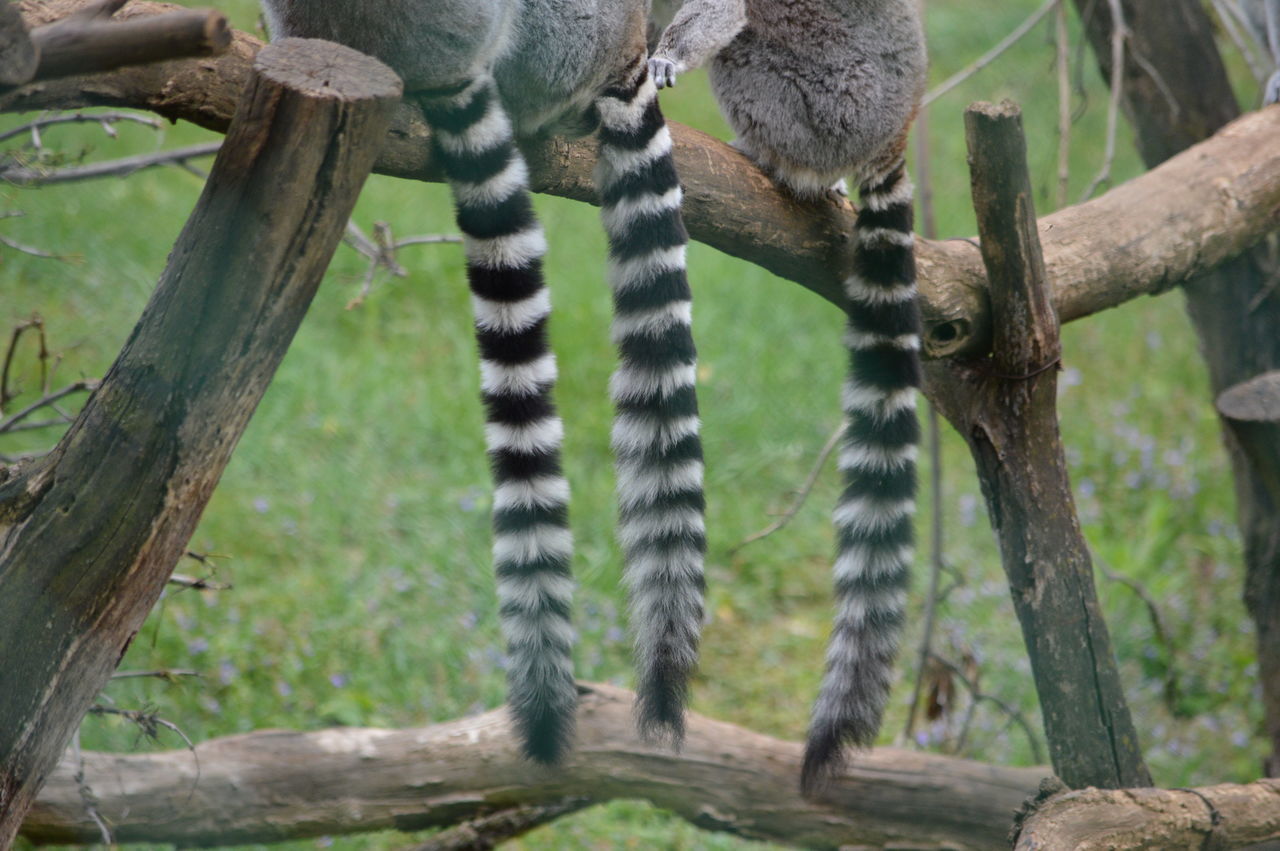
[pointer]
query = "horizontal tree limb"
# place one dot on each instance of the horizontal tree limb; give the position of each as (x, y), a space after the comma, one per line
(1219, 817)
(275, 785)
(90, 41)
(1144, 237)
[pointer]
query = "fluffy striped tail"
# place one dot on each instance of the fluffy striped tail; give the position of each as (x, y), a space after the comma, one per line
(655, 435)
(532, 544)
(874, 516)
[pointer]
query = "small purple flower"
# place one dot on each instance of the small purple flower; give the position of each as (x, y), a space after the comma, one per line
(226, 672)
(337, 680)
(261, 505)
(196, 646)
(283, 688)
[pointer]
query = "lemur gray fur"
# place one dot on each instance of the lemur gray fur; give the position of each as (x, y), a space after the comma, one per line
(1263, 17)
(487, 73)
(816, 90)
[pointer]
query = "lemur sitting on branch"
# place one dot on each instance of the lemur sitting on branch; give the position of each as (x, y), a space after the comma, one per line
(486, 72)
(816, 90)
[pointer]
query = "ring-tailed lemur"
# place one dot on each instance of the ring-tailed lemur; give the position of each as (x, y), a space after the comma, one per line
(817, 90)
(1264, 20)
(487, 72)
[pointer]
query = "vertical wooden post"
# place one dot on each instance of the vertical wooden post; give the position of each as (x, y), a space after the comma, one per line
(90, 533)
(1005, 407)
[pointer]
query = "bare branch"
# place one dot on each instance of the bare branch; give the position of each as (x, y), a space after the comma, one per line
(1010, 711)
(171, 675)
(994, 53)
(1119, 36)
(24, 176)
(84, 385)
(88, 41)
(802, 494)
(104, 118)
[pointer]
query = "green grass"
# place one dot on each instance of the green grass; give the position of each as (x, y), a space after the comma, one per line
(352, 519)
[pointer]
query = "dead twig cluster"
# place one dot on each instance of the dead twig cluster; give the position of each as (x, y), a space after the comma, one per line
(381, 251)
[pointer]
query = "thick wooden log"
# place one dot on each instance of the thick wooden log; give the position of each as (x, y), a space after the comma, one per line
(1141, 238)
(1006, 409)
(275, 785)
(1217, 817)
(90, 533)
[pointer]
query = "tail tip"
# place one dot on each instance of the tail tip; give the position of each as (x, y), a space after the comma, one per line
(545, 732)
(824, 759)
(660, 717)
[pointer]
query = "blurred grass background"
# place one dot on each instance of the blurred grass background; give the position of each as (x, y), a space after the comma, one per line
(353, 518)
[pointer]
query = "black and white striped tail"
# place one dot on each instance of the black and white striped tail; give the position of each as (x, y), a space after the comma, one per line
(532, 544)
(655, 434)
(873, 519)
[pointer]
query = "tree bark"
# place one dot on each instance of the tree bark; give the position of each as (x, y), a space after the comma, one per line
(1217, 817)
(1143, 238)
(1177, 94)
(18, 55)
(275, 785)
(84, 44)
(90, 533)
(1006, 409)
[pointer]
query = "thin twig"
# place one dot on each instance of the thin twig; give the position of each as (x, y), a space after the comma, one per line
(198, 584)
(801, 495)
(170, 675)
(148, 723)
(936, 562)
(1172, 687)
(7, 395)
(1119, 35)
(24, 176)
(1037, 751)
(1062, 44)
(27, 249)
(87, 797)
(381, 252)
(88, 384)
(993, 54)
(106, 119)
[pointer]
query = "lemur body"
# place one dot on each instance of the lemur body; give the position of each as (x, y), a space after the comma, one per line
(816, 90)
(485, 73)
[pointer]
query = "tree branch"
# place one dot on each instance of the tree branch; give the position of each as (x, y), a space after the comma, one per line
(1141, 238)
(89, 41)
(1219, 817)
(275, 785)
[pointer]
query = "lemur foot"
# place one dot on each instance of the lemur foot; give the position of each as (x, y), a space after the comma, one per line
(662, 72)
(1272, 92)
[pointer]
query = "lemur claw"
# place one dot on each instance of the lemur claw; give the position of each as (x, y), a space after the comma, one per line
(663, 72)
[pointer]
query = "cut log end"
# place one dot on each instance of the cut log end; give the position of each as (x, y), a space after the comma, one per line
(1256, 400)
(324, 69)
